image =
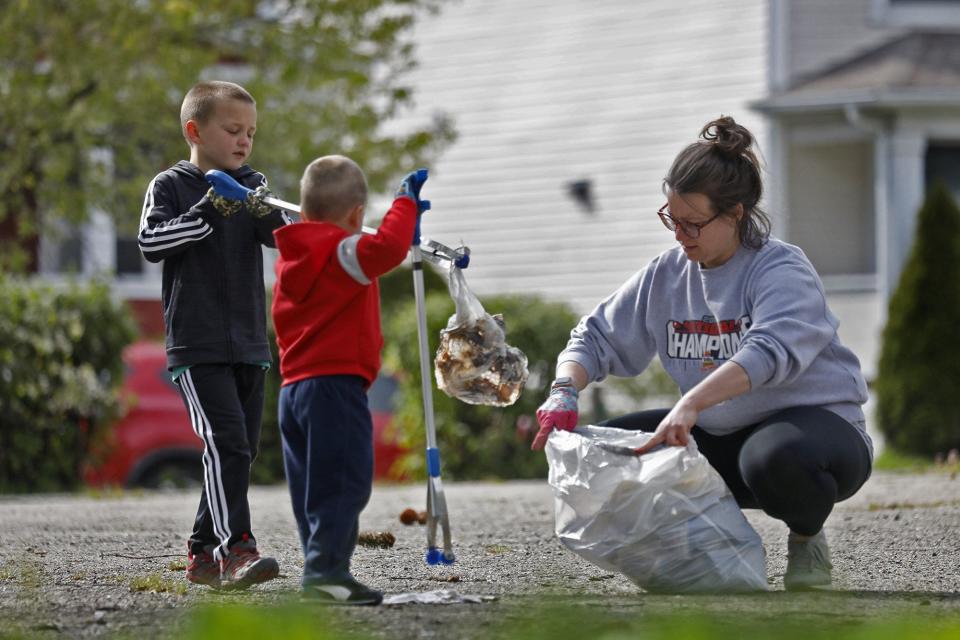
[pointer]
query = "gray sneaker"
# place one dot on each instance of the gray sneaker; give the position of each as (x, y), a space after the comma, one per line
(808, 563)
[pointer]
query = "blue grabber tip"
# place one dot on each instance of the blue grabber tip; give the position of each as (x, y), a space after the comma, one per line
(434, 556)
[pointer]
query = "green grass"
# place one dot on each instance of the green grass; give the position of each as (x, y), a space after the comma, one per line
(565, 622)
(287, 621)
(890, 460)
(157, 584)
(497, 548)
(110, 492)
(565, 619)
(569, 626)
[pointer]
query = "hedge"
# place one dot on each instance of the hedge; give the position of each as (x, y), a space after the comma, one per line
(60, 366)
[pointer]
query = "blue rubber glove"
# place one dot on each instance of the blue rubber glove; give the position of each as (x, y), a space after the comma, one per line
(224, 185)
(410, 188)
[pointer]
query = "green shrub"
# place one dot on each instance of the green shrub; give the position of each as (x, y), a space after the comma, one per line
(477, 441)
(60, 364)
(918, 379)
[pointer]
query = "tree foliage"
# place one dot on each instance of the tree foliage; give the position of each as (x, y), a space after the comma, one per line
(90, 93)
(918, 379)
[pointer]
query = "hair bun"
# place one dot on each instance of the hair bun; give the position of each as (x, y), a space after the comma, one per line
(727, 136)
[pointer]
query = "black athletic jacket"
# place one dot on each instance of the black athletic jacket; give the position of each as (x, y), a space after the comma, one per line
(214, 306)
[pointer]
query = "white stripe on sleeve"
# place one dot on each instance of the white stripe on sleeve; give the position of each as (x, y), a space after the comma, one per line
(347, 254)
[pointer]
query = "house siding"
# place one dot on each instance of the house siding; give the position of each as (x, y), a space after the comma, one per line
(546, 93)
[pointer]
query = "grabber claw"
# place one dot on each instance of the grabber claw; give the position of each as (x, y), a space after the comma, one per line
(437, 515)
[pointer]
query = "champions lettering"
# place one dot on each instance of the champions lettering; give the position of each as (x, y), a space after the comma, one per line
(705, 338)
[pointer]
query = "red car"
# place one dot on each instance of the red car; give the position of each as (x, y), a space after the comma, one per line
(153, 444)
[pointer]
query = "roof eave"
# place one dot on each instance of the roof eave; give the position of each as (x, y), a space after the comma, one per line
(886, 98)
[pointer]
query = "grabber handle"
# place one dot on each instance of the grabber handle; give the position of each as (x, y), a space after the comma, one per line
(226, 186)
(419, 177)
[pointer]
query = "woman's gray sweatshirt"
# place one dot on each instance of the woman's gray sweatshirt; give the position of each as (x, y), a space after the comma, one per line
(764, 309)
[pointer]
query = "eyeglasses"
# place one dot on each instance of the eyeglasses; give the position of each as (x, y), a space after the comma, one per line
(690, 229)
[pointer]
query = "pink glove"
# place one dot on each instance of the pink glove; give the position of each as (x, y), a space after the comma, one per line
(558, 412)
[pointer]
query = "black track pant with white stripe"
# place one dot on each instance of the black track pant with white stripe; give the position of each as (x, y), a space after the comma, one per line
(226, 404)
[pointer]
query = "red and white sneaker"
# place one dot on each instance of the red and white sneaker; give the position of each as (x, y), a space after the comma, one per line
(244, 567)
(203, 569)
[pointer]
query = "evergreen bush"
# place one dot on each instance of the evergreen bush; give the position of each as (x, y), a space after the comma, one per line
(60, 365)
(918, 379)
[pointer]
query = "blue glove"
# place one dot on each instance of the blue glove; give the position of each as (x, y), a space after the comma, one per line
(224, 185)
(410, 188)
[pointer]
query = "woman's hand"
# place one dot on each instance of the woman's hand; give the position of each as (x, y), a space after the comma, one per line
(558, 412)
(728, 381)
(560, 409)
(674, 429)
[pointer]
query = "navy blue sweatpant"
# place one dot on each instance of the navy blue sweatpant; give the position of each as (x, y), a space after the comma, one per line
(794, 465)
(328, 455)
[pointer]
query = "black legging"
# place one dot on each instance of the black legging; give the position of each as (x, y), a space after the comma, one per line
(794, 465)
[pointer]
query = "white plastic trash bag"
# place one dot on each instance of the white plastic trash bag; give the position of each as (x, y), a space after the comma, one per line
(666, 519)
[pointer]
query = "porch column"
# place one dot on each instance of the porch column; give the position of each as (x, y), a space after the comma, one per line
(907, 149)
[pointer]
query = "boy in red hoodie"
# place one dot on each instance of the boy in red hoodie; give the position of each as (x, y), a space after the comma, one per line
(326, 311)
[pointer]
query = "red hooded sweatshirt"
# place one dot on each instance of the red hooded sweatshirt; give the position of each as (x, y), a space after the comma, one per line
(326, 300)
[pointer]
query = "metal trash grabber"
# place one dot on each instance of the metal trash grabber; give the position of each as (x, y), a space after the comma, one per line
(421, 248)
(433, 252)
(436, 501)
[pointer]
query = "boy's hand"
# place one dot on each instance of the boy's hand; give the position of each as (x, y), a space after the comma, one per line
(228, 195)
(410, 188)
(225, 206)
(255, 202)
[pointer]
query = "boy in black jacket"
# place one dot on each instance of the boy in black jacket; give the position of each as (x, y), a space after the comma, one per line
(214, 310)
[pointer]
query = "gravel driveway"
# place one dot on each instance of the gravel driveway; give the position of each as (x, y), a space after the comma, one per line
(96, 565)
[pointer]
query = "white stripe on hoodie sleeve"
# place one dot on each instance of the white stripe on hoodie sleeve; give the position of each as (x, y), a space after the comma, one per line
(349, 260)
(163, 234)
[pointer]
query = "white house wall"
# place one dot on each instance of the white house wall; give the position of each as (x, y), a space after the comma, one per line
(546, 93)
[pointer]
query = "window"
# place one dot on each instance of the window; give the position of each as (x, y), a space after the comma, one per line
(129, 260)
(943, 163)
(831, 208)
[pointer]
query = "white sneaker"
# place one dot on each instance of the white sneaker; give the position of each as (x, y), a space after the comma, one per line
(808, 563)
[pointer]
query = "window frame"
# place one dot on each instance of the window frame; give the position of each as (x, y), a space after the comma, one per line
(916, 13)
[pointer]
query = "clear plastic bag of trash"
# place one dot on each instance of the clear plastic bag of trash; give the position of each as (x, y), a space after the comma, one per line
(666, 519)
(474, 363)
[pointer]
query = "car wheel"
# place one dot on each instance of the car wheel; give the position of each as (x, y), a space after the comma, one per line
(172, 474)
